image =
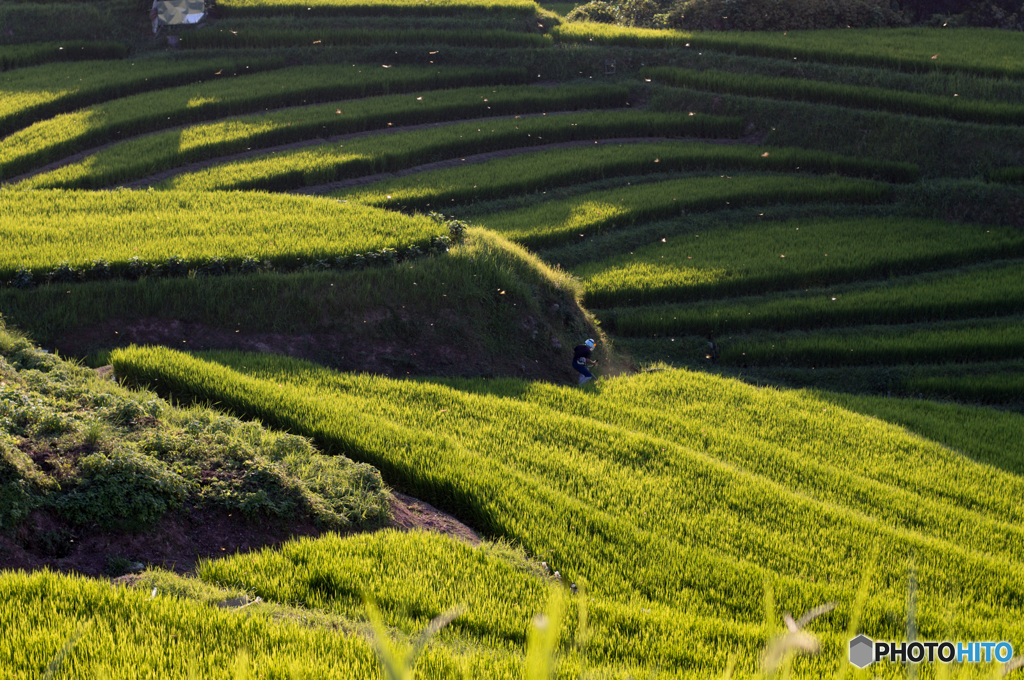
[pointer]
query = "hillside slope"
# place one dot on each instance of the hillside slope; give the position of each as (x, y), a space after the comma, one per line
(487, 307)
(839, 210)
(95, 478)
(673, 492)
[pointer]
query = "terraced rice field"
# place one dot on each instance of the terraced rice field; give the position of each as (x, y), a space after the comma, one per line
(802, 256)
(139, 158)
(916, 49)
(65, 134)
(575, 481)
(399, 7)
(192, 229)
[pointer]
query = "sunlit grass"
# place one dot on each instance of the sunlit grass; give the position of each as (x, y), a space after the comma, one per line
(138, 158)
(43, 229)
(770, 256)
(565, 220)
(973, 50)
(675, 489)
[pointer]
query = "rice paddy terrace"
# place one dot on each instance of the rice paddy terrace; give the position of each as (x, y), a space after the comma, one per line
(380, 225)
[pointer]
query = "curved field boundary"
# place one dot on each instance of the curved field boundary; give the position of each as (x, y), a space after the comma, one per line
(154, 154)
(327, 163)
(559, 167)
(320, 8)
(999, 387)
(854, 96)
(971, 50)
(37, 93)
(20, 56)
(164, 176)
(773, 256)
(347, 187)
(949, 342)
(69, 133)
(562, 221)
(950, 294)
(1007, 175)
(263, 38)
(984, 434)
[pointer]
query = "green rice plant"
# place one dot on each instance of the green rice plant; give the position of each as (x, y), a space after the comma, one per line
(36, 93)
(261, 38)
(118, 632)
(546, 169)
(285, 640)
(69, 645)
(986, 389)
(970, 50)
(130, 231)
(68, 133)
(317, 8)
(541, 661)
(428, 575)
(383, 22)
(387, 153)
(20, 56)
(32, 21)
(564, 220)
(1007, 175)
(398, 666)
(760, 257)
(866, 133)
(983, 434)
(138, 158)
(675, 492)
(891, 381)
(989, 291)
(837, 94)
(952, 342)
(987, 436)
(338, 302)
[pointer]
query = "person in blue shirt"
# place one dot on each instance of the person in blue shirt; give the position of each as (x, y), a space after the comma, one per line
(581, 360)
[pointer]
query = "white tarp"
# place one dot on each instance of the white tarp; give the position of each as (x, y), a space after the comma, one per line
(175, 12)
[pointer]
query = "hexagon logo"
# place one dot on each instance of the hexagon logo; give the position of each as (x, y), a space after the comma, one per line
(862, 651)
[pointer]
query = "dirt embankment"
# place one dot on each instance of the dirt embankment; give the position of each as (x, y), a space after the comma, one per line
(427, 353)
(179, 540)
(487, 309)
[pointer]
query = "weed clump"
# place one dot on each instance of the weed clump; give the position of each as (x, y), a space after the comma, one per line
(95, 455)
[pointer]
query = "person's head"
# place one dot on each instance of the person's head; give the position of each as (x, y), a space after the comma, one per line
(590, 343)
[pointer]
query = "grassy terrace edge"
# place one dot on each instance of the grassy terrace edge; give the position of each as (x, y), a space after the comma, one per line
(20, 56)
(266, 38)
(405, 440)
(853, 96)
(545, 170)
(126, 233)
(89, 453)
(564, 220)
(314, 8)
(66, 134)
(327, 163)
(873, 47)
(28, 103)
(139, 158)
